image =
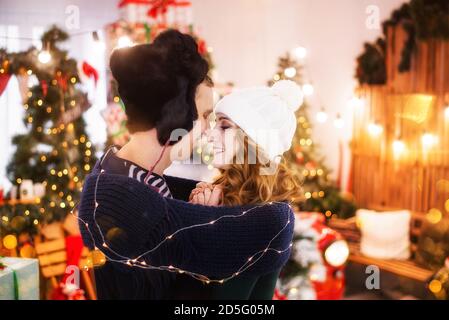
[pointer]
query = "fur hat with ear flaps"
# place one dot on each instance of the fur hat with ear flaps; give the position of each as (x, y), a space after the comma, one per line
(158, 83)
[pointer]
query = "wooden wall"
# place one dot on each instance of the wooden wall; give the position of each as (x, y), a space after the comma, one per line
(409, 105)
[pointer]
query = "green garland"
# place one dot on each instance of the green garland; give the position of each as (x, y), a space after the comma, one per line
(371, 67)
(430, 18)
(422, 20)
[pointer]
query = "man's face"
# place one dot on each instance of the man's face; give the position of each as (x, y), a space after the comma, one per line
(204, 103)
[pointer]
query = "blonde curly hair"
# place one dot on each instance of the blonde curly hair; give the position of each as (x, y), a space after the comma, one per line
(243, 183)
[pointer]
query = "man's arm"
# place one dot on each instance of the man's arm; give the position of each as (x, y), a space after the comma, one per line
(180, 188)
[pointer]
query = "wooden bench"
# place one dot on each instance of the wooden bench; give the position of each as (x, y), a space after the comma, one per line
(405, 268)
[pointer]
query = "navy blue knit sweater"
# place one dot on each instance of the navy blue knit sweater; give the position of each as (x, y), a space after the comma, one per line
(134, 219)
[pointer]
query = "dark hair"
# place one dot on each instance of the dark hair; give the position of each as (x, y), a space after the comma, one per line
(157, 83)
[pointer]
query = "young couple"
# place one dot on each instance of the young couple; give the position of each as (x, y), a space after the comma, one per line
(172, 238)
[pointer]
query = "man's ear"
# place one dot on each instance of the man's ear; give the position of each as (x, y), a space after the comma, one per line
(177, 113)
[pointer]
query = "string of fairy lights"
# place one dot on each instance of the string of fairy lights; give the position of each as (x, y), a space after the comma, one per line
(139, 262)
(399, 147)
(356, 103)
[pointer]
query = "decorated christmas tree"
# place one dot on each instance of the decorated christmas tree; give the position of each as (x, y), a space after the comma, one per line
(320, 191)
(52, 159)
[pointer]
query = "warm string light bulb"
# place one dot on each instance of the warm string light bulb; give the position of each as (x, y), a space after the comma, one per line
(398, 147)
(308, 89)
(356, 102)
(123, 42)
(429, 140)
(338, 122)
(321, 116)
(290, 72)
(375, 129)
(299, 52)
(446, 111)
(44, 56)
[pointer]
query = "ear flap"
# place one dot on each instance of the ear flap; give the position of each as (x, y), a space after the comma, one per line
(177, 113)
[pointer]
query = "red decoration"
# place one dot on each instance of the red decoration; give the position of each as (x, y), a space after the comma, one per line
(202, 48)
(4, 79)
(127, 2)
(278, 295)
(160, 7)
(62, 81)
(70, 291)
(311, 165)
(1, 195)
(90, 71)
(44, 86)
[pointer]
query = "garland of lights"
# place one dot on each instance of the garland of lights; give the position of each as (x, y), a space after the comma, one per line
(142, 264)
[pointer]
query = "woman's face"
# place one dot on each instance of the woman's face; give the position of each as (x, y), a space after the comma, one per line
(223, 138)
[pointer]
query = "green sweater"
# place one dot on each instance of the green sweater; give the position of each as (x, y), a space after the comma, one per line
(247, 288)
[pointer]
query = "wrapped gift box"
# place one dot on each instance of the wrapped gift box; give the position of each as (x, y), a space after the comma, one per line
(20, 279)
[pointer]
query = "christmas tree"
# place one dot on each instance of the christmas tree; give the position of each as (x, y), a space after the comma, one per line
(305, 263)
(56, 152)
(320, 191)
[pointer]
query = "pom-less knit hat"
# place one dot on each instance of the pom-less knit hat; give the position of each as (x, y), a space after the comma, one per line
(266, 115)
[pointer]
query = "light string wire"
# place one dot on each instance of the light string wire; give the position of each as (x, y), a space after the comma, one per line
(71, 35)
(143, 265)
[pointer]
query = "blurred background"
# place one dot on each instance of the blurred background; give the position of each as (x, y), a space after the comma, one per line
(370, 145)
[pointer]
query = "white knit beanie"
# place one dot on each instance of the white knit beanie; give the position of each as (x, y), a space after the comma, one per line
(266, 115)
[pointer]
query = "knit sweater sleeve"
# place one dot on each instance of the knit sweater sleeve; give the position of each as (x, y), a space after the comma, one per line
(225, 240)
(180, 188)
(137, 223)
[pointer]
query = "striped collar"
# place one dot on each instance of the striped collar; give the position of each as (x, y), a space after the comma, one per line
(111, 163)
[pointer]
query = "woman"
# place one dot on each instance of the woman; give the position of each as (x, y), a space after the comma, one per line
(253, 128)
(156, 246)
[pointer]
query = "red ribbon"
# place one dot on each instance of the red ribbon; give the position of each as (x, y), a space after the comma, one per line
(90, 71)
(160, 7)
(4, 79)
(44, 86)
(126, 2)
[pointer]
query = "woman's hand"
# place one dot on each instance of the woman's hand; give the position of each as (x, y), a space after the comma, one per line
(206, 194)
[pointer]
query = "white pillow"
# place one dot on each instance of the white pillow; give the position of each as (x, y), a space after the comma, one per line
(385, 235)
